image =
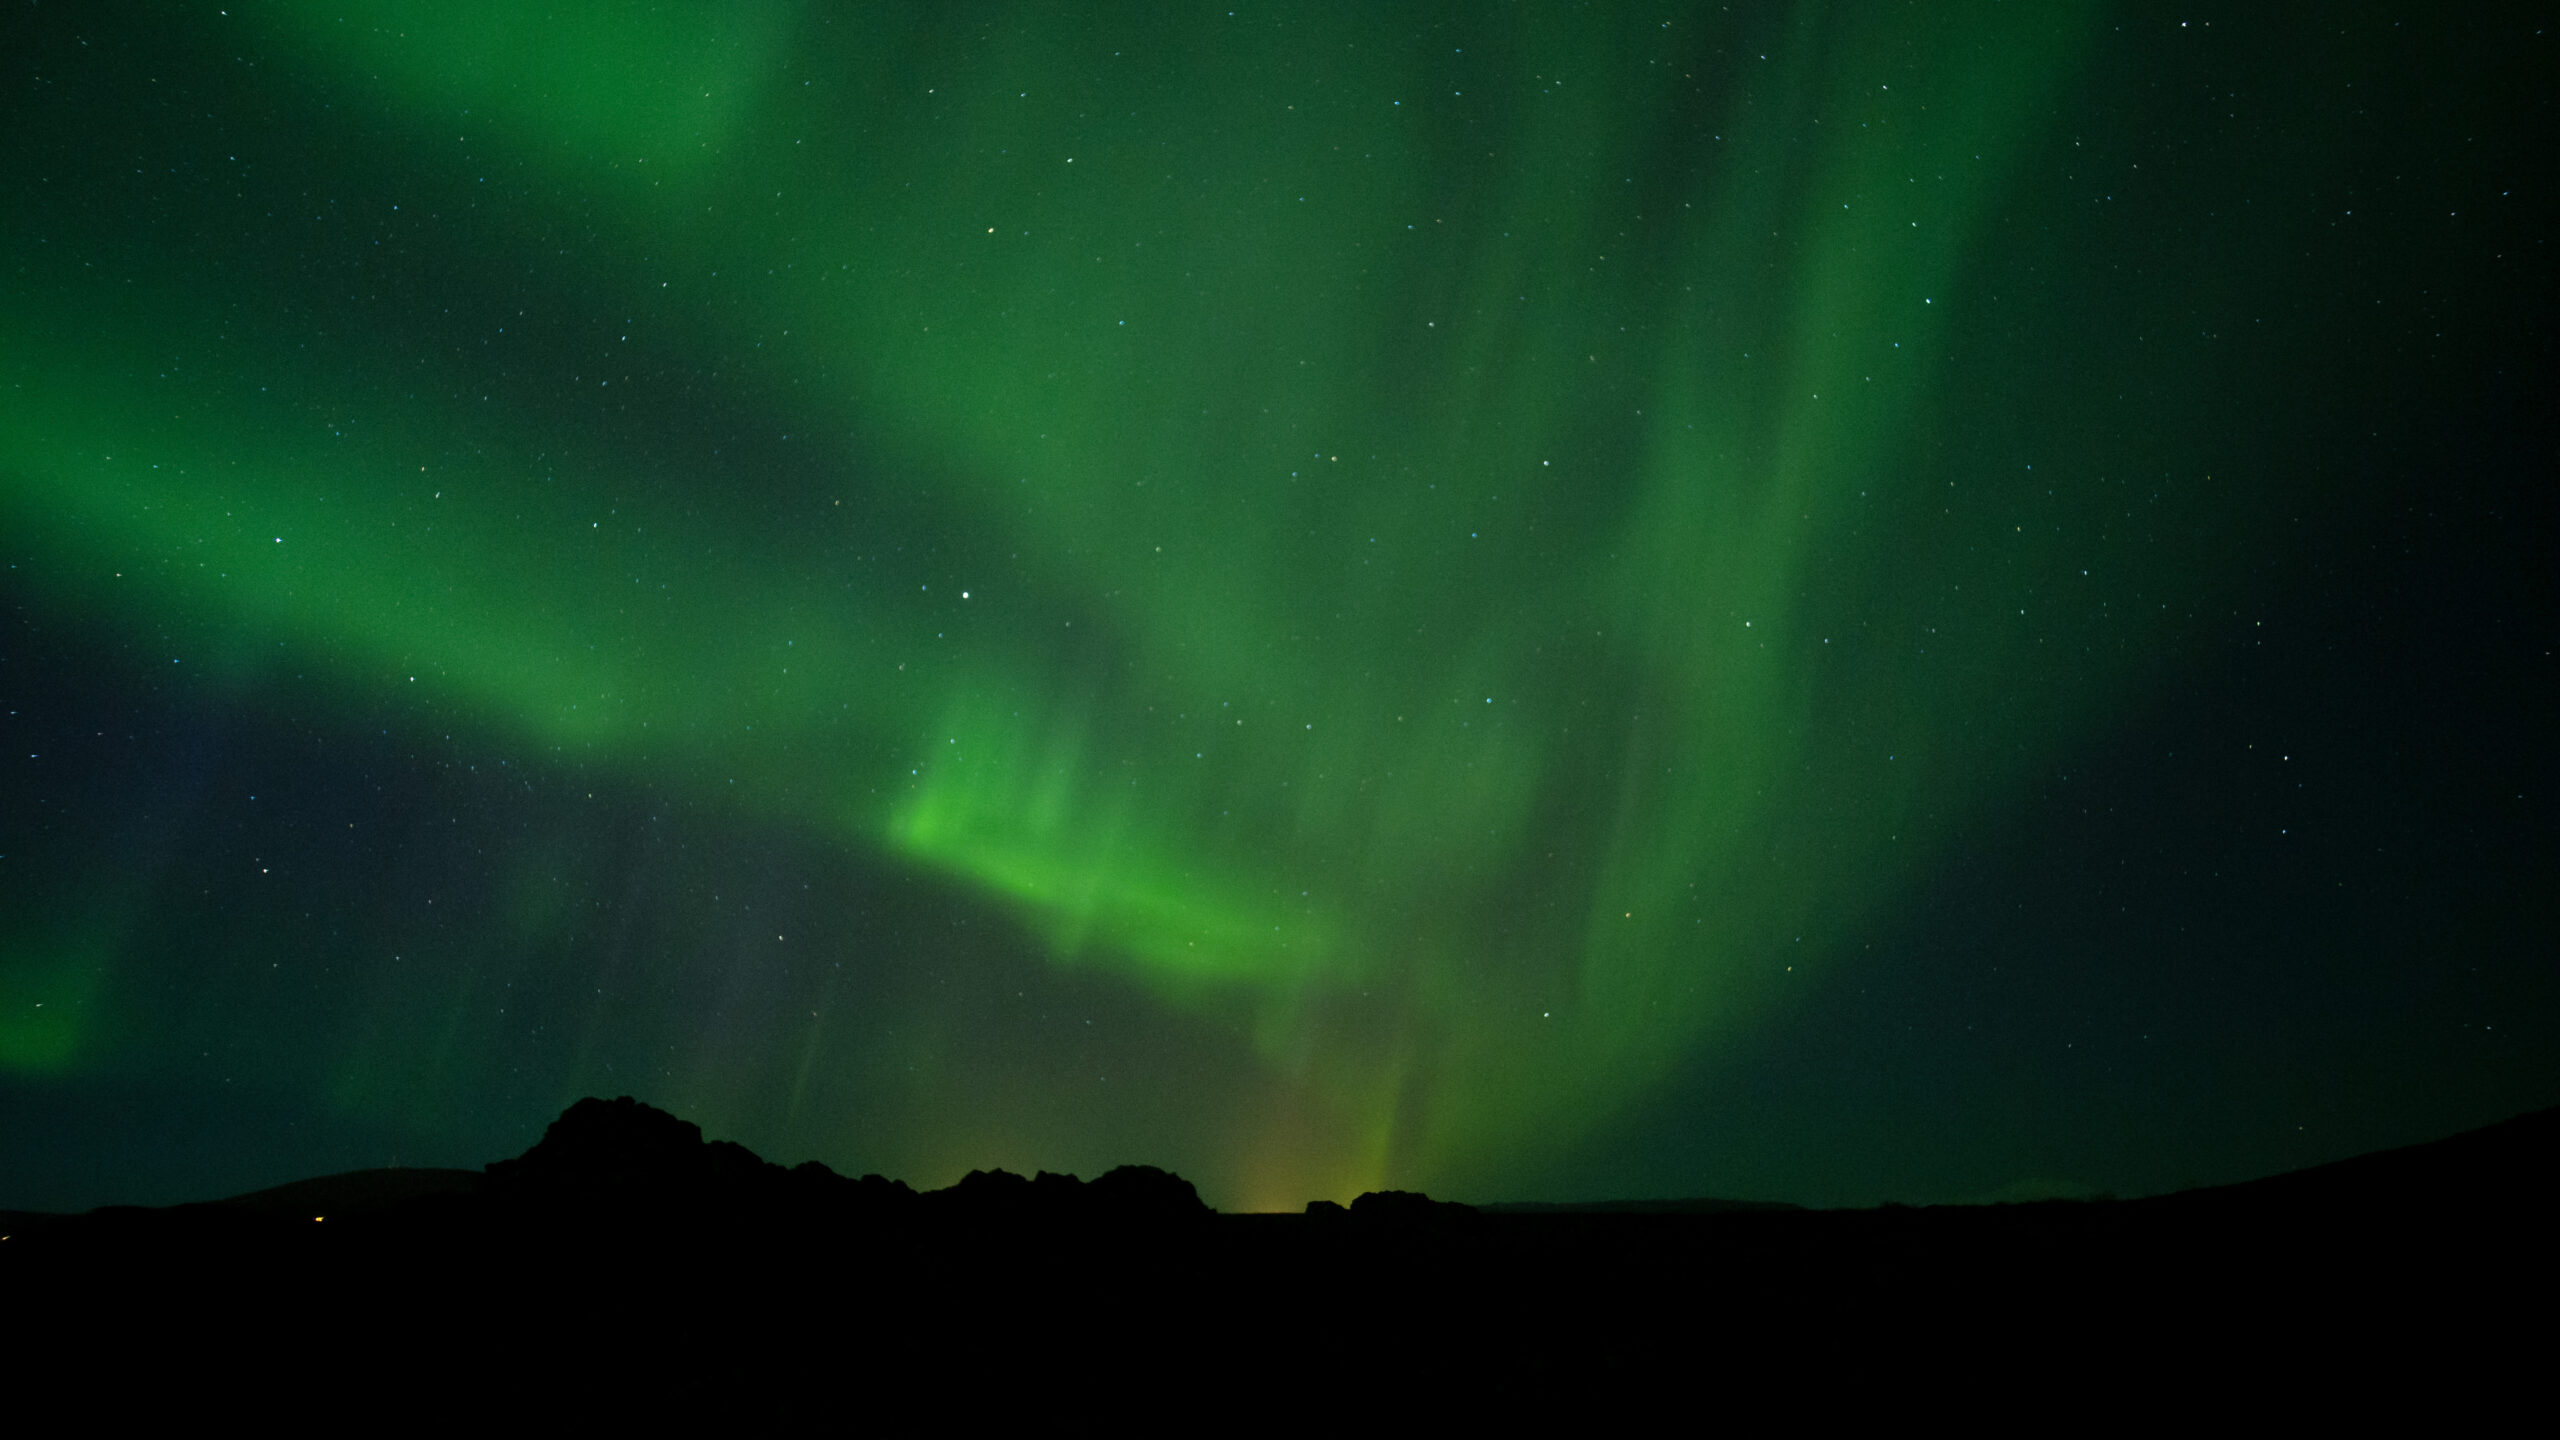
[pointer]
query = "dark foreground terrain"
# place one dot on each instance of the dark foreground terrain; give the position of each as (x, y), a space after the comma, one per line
(625, 1267)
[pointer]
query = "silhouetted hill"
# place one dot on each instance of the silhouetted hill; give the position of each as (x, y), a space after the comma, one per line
(2491, 1166)
(359, 1193)
(2497, 1167)
(617, 1151)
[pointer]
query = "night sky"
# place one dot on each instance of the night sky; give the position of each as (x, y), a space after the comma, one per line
(1532, 601)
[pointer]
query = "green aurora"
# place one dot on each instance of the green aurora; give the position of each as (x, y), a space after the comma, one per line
(1430, 571)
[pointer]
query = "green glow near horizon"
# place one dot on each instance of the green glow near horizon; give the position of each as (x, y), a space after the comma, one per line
(1433, 570)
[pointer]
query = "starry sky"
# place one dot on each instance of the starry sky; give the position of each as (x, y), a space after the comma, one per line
(1527, 600)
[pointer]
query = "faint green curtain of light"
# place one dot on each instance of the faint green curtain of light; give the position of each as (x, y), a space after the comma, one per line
(53, 990)
(417, 553)
(1810, 238)
(1864, 160)
(629, 96)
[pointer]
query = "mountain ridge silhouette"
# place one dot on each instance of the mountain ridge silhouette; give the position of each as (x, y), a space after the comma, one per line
(622, 1151)
(624, 1265)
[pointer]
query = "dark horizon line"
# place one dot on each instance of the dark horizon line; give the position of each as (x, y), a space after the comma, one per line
(2520, 1129)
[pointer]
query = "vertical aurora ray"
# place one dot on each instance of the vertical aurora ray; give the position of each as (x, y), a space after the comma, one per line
(1464, 559)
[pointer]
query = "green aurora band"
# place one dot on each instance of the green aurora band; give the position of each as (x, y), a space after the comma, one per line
(1461, 554)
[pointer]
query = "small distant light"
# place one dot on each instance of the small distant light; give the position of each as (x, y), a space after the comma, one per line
(316, 1219)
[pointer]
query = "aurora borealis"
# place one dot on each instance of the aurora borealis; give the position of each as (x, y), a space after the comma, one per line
(1812, 602)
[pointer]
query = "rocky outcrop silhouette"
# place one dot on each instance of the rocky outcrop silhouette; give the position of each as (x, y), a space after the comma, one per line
(1394, 1210)
(1143, 1194)
(620, 1158)
(618, 1151)
(1131, 1195)
(1409, 1207)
